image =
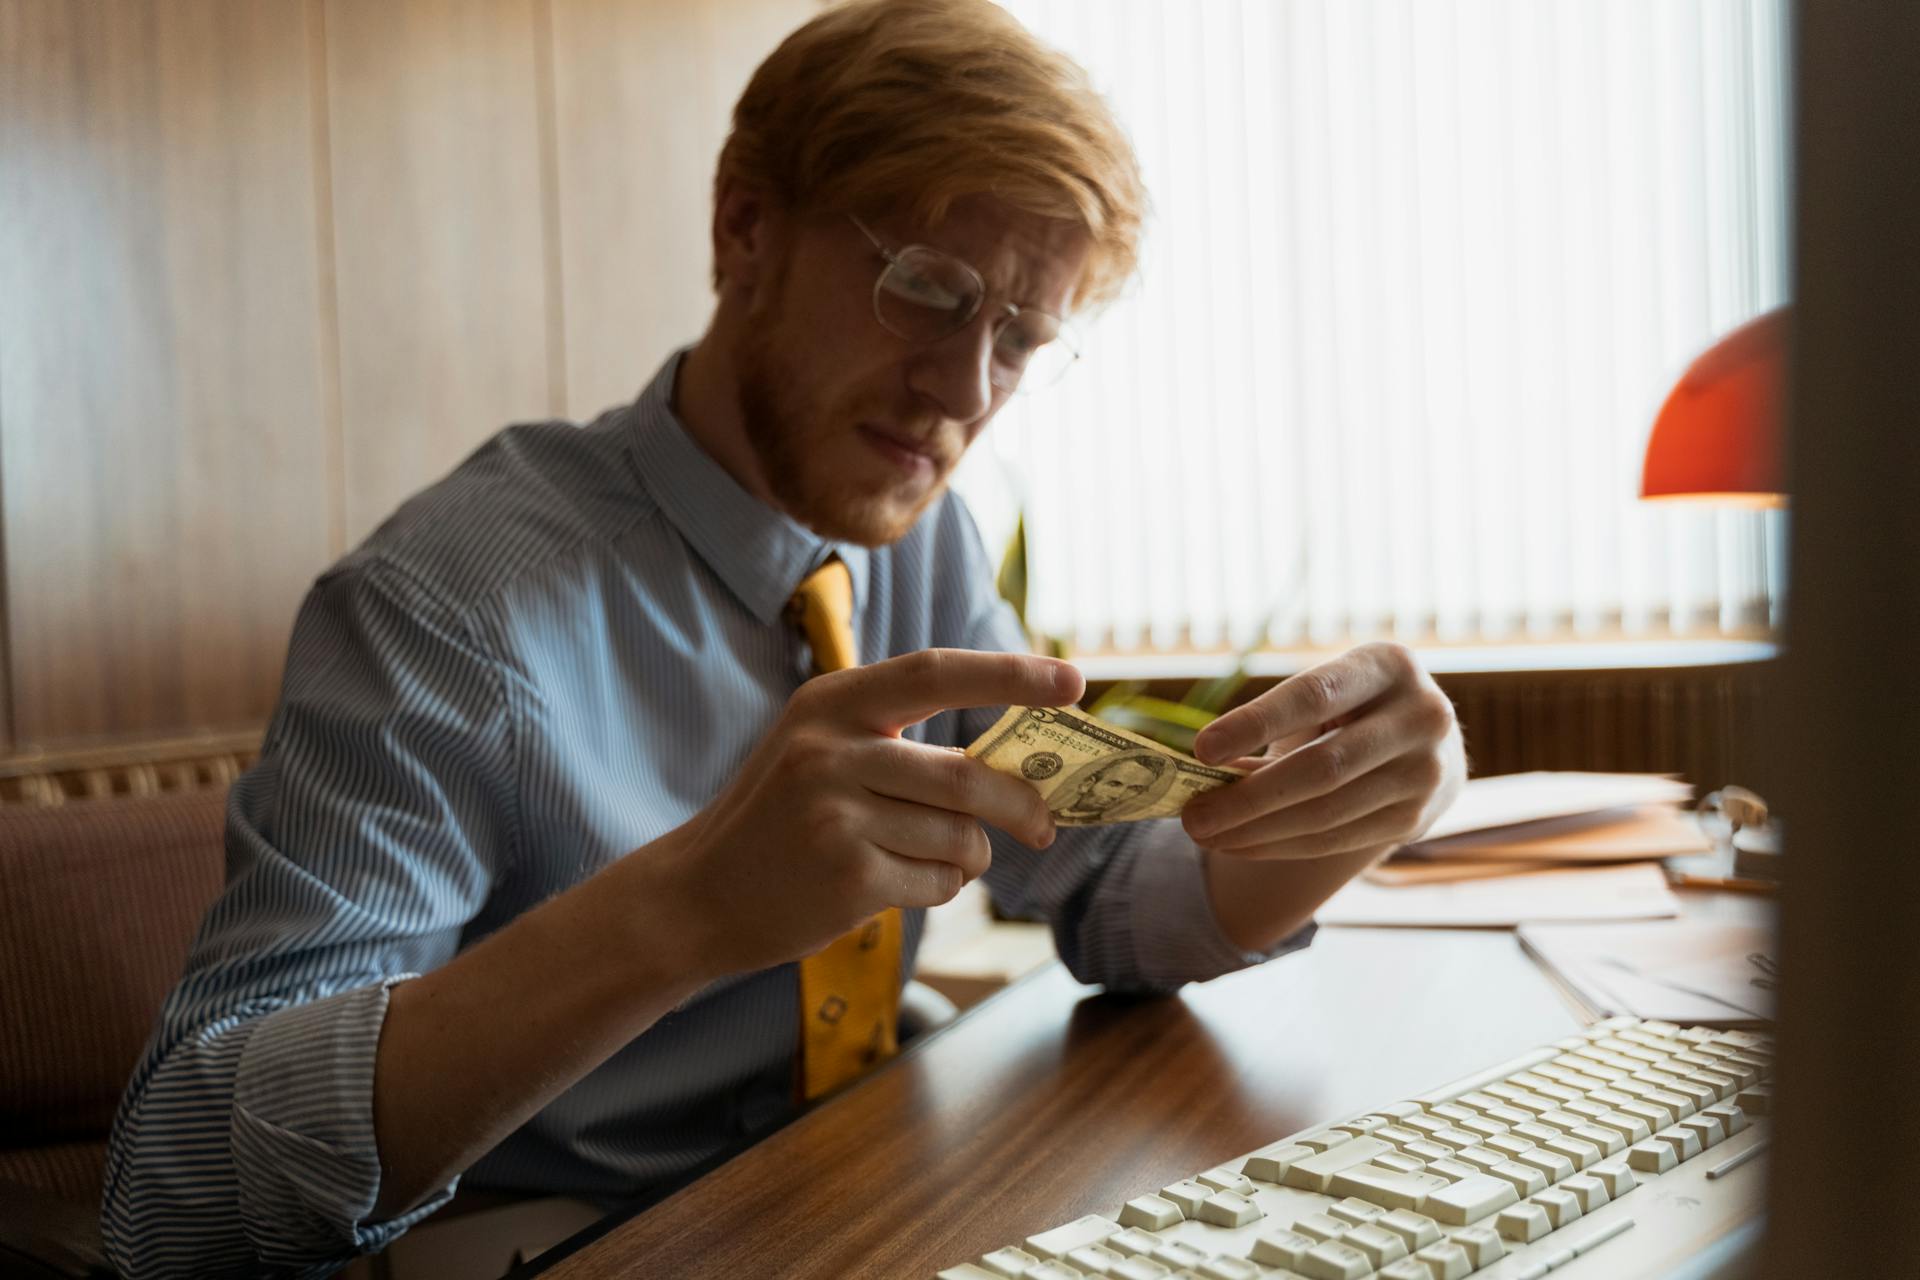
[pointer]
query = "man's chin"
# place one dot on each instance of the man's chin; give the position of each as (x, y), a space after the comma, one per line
(867, 520)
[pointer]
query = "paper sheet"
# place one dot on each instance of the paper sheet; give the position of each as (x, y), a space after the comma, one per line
(1507, 799)
(1685, 971)
(1629, 891)
(1609, 835)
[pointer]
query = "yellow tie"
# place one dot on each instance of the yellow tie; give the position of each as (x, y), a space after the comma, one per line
(849, 993)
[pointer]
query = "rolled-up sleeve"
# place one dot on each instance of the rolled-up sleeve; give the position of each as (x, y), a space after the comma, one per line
(358, 848)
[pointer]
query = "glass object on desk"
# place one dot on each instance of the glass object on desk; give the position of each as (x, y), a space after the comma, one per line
(1746, 844)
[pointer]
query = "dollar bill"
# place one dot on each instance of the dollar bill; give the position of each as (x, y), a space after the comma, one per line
(1091, 773)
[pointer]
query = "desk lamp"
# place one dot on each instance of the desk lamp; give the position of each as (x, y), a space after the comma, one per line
(1718, 435)
(1718, 439)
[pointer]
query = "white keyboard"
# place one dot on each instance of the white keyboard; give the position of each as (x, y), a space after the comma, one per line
(1624, 1151)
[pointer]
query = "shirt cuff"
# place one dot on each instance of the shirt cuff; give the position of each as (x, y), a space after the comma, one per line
(303, 1137)
(1177, 935)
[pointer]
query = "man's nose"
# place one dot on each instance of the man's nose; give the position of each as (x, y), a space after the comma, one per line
(956, 373)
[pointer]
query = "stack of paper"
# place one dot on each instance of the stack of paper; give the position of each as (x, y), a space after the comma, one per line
(1528, 820)
(1534, 846)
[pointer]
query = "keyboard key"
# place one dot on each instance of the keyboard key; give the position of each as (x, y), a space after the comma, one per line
(1523, 1222)
(1270, 1164)
(1728, 1114)
(1226, 1267)
(1096, 1259)
(1314, 1172)
(1581, 1153)
(1416, 1230)
(1656, 1117)
(1428, 1151)
(1451, 1170)
(967, 1271)
(1321, 1226)
(1178, 1254)
(1712, 1132)
(1482, 1244)
(1150, 1212)
(1482, 1158)
(1400, 1162)
(1325, 1141)
(1379, 1244)
(1525, 1180)
(1587, 1189)
(1630, 1128)
(1452, 1111)
(1187, 1194)
(1562, 1206)
(1061, 1241)
(1484, 1127)
(1133, 1241)
(1685, 1143)
(1756, 1100)
(1458, 1139)
(1702, 1094)
(1008, 1262)
(1355, 1211)
(1225, 1209)
(1445, 1261)
(1224, 1180)
(1469, 1200)
(1334, 1261)
(1406, 1269)
(1282, 1249)
(1651, 1156)
(1611, 1143)
(1616, 1176)
(1681, 1105)
(1510, 1144)
(1398, 1135)
(1535, 1132)
(1140, 1268)
(1051, 1269)
(1551, 1163)
(1362, 1126)
(1722, 1084)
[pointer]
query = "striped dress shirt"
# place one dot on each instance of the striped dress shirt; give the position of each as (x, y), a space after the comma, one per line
(556, 654)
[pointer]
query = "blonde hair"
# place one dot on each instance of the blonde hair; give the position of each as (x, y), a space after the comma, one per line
(908, 105)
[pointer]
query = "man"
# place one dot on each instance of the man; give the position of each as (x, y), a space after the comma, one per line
(550, 810)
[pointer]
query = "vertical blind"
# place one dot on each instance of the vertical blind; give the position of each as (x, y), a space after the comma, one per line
(1418, 276)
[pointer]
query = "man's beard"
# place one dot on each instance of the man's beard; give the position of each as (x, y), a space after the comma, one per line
(794, 441)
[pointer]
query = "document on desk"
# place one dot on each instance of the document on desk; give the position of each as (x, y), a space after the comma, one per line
(1509, 800)
(1705, 972)
(1626, 891)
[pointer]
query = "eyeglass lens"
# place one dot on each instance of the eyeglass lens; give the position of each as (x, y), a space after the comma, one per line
(925, 295)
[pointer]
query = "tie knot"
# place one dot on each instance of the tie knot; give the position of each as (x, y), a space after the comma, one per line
(823, 606)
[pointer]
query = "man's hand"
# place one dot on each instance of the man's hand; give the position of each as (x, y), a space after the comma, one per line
(835, 816)
(1359, 753)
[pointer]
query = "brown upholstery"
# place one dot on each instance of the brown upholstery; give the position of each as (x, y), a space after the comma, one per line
(99, 901)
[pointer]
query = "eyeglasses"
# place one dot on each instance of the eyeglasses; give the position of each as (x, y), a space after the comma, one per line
(924, 295)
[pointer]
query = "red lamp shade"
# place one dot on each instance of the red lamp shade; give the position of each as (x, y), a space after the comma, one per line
(1718, 434)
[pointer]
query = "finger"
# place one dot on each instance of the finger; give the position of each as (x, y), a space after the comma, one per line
(888, 696)
(1387, 785)
(1304, 702)
(1379, 829)
(1320, 768)
(931, 835)
(916, 882)
(939, 778)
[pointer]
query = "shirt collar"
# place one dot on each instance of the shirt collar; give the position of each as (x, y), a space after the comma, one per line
(760, 554)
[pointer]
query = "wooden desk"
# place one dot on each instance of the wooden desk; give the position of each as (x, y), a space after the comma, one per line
(1051, 1100)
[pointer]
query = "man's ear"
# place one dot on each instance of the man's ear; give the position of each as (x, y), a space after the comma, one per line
(748, 233)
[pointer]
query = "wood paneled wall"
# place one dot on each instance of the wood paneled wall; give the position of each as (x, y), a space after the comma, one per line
(267, 268)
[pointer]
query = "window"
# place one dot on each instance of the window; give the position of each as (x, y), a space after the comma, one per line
(1418, 278)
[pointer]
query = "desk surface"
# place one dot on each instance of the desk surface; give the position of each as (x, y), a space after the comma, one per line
(1052, 1100)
